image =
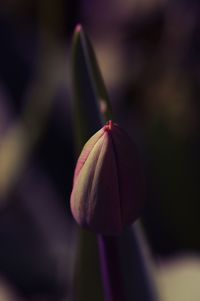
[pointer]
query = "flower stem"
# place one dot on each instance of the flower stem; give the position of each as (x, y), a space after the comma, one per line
(110, 268)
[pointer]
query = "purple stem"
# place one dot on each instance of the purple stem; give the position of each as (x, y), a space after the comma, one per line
(110, 268)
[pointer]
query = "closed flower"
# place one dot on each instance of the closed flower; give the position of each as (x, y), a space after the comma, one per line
(108, 185)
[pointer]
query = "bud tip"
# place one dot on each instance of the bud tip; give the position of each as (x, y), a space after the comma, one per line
(78, 28)
(108, 126)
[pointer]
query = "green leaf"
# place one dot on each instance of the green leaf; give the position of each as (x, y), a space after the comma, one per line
(89, 91)
(136, 265)
(87, 278)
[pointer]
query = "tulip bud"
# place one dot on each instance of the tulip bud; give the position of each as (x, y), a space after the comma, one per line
(107, 191)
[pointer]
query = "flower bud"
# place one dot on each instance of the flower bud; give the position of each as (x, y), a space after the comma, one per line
(107, 191)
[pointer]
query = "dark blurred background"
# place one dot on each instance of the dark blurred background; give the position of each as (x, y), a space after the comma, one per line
(149, 54)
